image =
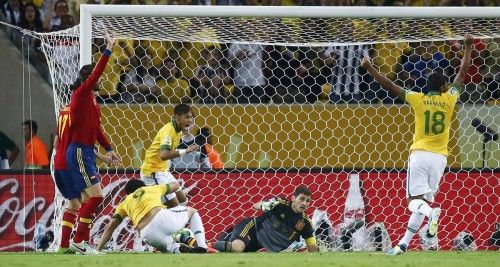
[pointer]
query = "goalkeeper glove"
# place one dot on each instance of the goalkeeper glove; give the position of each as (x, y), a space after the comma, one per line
(269, 205)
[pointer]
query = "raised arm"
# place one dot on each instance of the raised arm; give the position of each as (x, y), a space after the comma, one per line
(366, 63)
(89, 84)
(466, 59)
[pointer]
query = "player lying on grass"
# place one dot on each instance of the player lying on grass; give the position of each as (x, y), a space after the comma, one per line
(154, 222)
(282, 223)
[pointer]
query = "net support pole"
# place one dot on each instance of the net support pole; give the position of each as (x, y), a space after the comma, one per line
(85, 36)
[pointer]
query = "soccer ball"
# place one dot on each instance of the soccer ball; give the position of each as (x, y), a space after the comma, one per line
(178, 236)
(428, 243)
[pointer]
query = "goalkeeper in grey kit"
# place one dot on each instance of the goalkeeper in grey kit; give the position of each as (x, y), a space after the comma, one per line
(282, 223)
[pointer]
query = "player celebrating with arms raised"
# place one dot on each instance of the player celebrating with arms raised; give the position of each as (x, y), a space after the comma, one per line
(433, 112)
(85, 131)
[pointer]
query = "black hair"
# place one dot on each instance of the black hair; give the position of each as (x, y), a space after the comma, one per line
(133, 185)
(435, 82)
(37, 22)
(182, 109)
(32, 125)
(61, 1)
(204, 131)
(83, 75)
(302, 190)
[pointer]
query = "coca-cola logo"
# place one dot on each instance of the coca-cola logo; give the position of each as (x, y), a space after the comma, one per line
(19, 215)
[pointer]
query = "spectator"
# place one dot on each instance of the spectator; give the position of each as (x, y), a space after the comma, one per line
(156, 2)
(36, 155)
(388, 58)
(229, 2)
(138, 84)
(280, 64)
(204, 140)
(55, 11)
(116, 65)
(67, 21)
(247, 61)
(159, 51)
(30, 18)
(347, 79)
(173, 88)
(422, 64)
(66, 56)
(74, 7)
(201, 2)
(209, 79)
(189, 53)
(492, 69)
(7, 144)
(12, 11)
(474, 78)
(192, 161)
(308, 81)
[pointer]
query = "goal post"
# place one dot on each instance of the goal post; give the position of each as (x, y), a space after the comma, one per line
(287, 104)
(89, 11)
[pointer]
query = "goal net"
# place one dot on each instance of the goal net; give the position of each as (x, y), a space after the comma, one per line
(286, 103)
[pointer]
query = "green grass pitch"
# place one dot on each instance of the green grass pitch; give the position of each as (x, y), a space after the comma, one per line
(425, 259)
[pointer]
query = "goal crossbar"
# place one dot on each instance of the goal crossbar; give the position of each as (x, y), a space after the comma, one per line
(89, 11)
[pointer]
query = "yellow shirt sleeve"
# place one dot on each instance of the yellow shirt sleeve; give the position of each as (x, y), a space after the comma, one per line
(161, 189)
(410, 97)
(120, 212)
(165, 139)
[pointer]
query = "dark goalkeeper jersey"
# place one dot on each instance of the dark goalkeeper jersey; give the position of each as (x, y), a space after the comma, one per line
(85, 113)
(279, 227)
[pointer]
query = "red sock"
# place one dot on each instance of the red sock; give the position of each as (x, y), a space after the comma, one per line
(86, 214)
(68, 222)
(87, 236)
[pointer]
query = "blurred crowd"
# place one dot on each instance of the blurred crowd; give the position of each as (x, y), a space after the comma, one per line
(218, 73)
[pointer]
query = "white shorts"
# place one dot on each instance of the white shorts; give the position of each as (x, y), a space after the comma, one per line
(166, 222)
(425, 170)
(160, 177)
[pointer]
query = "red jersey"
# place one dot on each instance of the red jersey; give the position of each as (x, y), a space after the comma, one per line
(85, 113)
(63, 138)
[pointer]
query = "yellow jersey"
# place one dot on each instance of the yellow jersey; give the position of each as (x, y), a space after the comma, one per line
(433, 112)
(173, 90)
(168, 137)
(139, 203)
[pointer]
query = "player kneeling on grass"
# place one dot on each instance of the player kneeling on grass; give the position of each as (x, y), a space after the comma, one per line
(282, 223)
(155, 223)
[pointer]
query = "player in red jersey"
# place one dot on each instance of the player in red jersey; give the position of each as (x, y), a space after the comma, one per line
(64, 179)
(85, 131)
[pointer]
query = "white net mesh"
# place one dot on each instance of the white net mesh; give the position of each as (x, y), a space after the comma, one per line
(318, 115)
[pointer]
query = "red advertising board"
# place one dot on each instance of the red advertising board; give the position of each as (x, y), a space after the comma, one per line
(469, 200)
